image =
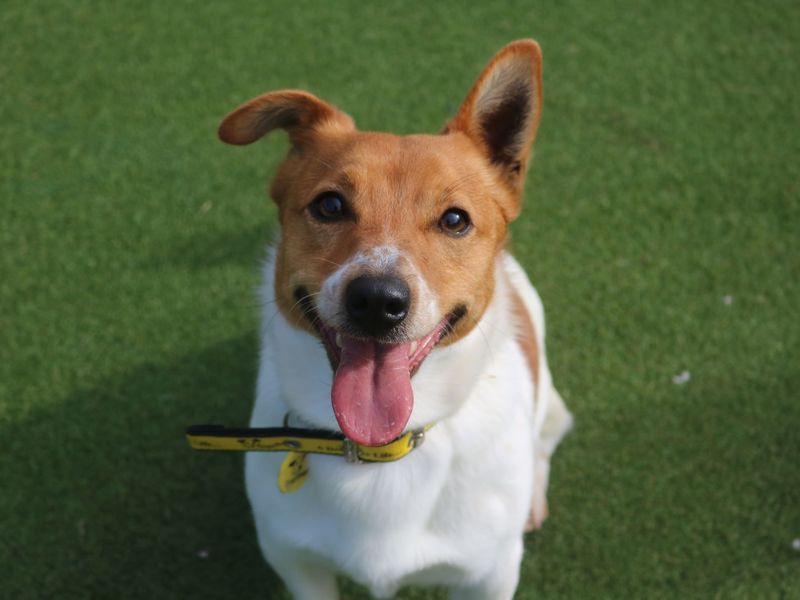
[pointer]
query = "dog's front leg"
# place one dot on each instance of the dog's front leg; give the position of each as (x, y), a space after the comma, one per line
(305, 581)
(500, 582)
(557, 422)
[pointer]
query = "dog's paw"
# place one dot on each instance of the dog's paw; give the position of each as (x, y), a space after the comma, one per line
(536, 518)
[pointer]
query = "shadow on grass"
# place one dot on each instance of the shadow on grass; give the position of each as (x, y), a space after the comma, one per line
(103, 497)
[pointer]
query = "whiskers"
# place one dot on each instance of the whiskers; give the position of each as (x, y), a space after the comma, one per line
(476, 322)
(325, 164)
(453, 187)
(325, 260)
(303, 302)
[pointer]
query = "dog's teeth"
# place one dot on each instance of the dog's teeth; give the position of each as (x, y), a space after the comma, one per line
(413, 347)
(339, 340)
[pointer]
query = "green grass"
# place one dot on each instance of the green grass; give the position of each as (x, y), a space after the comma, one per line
(666, 177)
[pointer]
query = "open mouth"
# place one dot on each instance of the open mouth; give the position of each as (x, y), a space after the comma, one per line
(371, 393)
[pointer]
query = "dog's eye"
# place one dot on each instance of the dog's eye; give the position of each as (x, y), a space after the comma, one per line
(328, 206)
(455, 222)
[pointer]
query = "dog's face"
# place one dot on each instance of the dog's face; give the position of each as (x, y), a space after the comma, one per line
(388, 242)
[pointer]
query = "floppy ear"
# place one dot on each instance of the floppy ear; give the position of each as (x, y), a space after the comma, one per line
(502, 110)
(298, 112)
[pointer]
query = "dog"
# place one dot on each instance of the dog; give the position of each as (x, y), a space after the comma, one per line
(392, 308)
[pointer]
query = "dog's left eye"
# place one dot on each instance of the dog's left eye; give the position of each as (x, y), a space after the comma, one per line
(455, 222)
(327, 207)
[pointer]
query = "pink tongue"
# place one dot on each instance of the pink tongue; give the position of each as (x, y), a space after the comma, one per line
(371, 395)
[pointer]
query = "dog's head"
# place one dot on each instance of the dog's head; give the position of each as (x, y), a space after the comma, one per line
(389, 242)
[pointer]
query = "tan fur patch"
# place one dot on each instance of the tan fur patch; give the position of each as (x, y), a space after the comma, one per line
(526, 336)
(397, 189)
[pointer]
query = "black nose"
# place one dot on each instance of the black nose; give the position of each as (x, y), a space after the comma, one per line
(377, 304)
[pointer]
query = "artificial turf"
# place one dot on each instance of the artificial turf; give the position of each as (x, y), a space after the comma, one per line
(662, 228)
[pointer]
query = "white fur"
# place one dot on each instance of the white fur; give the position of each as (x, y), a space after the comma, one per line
(450, 513)
(382, 259)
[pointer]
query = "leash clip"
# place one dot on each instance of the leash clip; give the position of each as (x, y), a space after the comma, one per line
(351, 452)
(417, 438)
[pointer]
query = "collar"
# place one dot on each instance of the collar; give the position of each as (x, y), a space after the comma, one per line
(302, 441)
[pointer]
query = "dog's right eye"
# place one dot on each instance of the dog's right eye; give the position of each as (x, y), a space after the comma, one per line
(328, 206)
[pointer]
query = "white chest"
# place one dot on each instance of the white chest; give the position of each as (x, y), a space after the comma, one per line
(388, 525)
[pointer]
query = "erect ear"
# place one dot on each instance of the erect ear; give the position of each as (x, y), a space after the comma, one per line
(298, 112)
(502, 110)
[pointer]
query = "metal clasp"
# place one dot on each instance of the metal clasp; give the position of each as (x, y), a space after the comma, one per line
(351, 451)
(417, 437)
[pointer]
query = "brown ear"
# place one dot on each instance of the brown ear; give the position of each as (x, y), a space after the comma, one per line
(298, 112)
(502, 110)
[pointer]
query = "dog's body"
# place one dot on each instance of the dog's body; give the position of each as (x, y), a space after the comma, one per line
(391, 255)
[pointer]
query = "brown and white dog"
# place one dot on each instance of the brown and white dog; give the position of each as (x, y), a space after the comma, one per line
(399, 308)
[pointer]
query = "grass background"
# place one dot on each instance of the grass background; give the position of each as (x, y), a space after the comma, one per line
(666, 178)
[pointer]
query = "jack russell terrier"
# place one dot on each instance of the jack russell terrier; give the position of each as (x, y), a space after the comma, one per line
(393, 314)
